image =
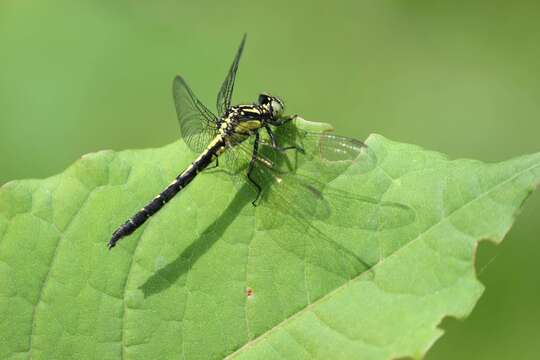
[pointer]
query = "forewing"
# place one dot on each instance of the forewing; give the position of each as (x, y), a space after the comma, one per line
(322, 156)
(197, 124)
(225, 93)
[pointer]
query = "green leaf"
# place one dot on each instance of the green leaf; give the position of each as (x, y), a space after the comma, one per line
(211, 276)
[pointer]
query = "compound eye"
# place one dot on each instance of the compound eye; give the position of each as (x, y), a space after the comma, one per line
(264, 99)
(277, 107)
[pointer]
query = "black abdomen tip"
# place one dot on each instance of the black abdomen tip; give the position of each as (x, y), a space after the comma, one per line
(115, 237)
(122, 231)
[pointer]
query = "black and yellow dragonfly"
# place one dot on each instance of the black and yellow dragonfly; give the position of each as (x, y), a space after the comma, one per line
(260, 141)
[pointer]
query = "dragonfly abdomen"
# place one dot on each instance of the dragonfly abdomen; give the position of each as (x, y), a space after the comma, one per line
(170, 192)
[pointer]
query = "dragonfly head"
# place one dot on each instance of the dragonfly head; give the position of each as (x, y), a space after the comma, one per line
(273, 104)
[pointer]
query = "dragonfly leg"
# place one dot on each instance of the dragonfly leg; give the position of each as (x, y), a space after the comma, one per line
(278, 148)
(250, 169)
(216, 164)
(284, 120)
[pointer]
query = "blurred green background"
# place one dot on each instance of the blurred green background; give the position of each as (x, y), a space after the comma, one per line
(460, 77)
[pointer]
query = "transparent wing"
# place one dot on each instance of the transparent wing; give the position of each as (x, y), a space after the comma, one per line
(300, 183)
(323, 155)
(286, 204)
(316, 191)
(198, 125)
(225, 93)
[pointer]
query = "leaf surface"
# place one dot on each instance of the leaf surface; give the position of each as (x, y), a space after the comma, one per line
(210, 276)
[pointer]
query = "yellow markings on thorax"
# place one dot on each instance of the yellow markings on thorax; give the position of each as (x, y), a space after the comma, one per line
(252, 110)
(246, 126)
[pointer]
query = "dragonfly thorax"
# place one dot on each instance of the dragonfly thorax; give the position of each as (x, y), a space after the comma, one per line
(243, 120)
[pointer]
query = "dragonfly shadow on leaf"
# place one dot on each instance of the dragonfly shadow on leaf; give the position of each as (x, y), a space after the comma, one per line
(350, 263)
(170, 273)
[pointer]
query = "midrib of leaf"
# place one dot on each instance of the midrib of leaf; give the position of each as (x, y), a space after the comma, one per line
(374, 267)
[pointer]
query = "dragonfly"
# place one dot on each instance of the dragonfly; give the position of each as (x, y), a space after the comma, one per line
(261, 145)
